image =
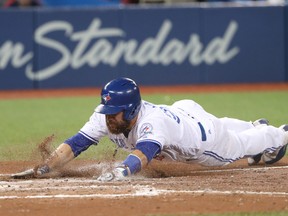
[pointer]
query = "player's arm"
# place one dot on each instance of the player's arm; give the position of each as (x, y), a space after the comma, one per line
(75, 145)
(68, 150)
(62, 155)
(139, 158)
(65, 152)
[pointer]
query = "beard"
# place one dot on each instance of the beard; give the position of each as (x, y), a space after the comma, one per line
(117, 127)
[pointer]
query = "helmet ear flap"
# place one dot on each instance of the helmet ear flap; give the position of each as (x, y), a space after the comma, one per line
(129, 114)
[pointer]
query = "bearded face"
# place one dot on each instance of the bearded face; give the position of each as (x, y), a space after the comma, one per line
(116, 123)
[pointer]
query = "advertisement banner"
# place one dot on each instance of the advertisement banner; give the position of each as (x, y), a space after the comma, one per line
(65, 48)
(253, 43)
(16, 48)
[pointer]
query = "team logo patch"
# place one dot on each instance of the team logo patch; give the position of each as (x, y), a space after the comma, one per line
(106, 97)
(146, 129)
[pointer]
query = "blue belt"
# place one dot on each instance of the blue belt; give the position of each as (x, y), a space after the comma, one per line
(203, 133)
(204, 137)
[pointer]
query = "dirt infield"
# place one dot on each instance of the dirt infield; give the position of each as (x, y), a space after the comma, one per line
(172, 189)
(161, 189)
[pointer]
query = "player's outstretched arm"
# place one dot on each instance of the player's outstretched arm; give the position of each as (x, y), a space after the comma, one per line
(66, 151)
(62, 155)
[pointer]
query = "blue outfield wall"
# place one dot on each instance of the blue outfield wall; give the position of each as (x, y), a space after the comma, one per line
(286, 41)
(16, 48)
(208, 44)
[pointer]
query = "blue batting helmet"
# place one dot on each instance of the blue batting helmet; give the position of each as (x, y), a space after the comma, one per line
(121, 94)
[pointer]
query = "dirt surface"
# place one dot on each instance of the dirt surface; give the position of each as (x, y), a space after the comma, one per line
(161, 189)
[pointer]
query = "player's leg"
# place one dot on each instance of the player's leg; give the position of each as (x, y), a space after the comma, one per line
(240, 125)
(255, 159)
(233, 138)
(230, 146)
(236, 124)
(273, 157)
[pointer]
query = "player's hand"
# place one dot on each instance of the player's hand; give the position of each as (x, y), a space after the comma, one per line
(32, 173)
(41, 170)
(116, 175)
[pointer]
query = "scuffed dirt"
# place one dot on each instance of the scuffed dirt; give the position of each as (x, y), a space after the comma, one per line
(163, 188)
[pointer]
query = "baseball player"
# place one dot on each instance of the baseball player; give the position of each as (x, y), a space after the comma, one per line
(182, 132)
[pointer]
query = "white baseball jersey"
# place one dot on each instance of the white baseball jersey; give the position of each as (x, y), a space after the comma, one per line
(187, 133)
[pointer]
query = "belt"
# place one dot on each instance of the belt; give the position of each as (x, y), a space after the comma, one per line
(203, 133)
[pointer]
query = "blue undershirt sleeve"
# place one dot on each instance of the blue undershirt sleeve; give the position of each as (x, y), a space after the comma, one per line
(134, 163)
(79, 143)
(149, 149)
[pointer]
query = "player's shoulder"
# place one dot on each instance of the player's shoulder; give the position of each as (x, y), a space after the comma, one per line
(150, 105)
(97, 119)
(150, 113)
(149, 108)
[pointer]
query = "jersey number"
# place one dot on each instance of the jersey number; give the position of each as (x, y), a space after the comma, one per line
(167, 112)
(170, 114)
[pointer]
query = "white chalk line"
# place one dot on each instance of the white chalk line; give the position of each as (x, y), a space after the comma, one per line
(16, 187)
(145, 192)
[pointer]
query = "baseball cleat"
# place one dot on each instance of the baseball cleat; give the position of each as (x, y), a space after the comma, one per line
(261, 121)
(256, 158)
(270, 158)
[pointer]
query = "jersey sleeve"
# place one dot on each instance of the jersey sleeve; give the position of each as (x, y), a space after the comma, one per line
(159, 127)
(95, 128)
(152, 131)
(88, 135)
(79, 143)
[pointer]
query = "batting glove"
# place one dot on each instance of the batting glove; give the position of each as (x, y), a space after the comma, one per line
(118, 174)
(41, 170)
(32, 173)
